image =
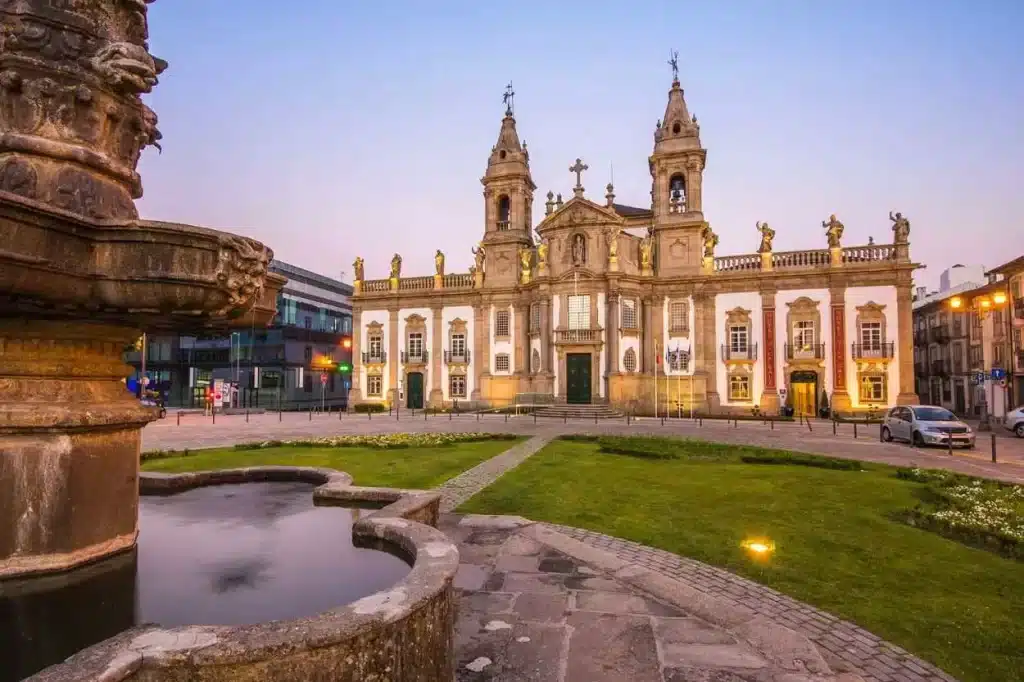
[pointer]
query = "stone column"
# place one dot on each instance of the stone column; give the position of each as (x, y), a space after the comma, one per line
(770, 395)
(612, 333)
(70, 436)
(481, 347)
(545, 335)
(355, 393)
(648, 336)
(840, 394)
(436, 398)
(706, 342)
(905, 344)
(394, 357)
(520, 340)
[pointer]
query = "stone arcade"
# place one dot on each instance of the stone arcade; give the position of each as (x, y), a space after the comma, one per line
(604, 302)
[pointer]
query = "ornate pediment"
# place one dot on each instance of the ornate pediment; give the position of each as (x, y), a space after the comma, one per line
(579, 212)
(458, 326)
(871, 310)
(375, 327)
(737, 315)
(582, 273)
(415, 322)
(803, 305)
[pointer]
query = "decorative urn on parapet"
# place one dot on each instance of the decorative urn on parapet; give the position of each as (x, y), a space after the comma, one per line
(81, 276)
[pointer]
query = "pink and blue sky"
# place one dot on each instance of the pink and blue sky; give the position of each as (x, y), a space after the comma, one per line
(335, 128)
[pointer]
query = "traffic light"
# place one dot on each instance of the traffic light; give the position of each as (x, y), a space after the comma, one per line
(344, 367)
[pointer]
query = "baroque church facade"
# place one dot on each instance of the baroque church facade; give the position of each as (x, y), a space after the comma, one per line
(608, 303)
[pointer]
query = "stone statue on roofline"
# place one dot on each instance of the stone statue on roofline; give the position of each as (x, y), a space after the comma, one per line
(357, 266)
(833, 230)
(439, 262)
(396, 266)
(900, 227)
(767, 235)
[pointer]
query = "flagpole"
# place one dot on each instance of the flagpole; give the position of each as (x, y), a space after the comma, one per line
(657, 351)
(679, 388)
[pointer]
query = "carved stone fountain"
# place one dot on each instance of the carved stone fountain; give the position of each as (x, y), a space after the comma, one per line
(81, 275)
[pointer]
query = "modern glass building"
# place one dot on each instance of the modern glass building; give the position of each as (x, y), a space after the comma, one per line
(302, 360)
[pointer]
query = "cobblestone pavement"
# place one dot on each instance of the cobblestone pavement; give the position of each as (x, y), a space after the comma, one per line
(459, 489)
(839, 641)
(196, 431)
(537, 604)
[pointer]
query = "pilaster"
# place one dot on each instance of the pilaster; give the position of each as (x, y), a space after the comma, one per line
(481, 346)
(770, 395)
(394, 357)
(612, 333)
(647, 337)
(840, 394)
(706, 345)
(436, 398)
(905, 345)
(355, 392)
(545, 335)
(521, 335)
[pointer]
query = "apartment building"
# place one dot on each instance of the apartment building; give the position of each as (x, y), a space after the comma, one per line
(1012, 275)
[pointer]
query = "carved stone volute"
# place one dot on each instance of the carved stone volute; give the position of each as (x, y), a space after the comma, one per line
(71, 76)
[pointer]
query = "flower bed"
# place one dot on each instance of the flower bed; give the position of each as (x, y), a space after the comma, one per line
(382, 441)
(976, 512)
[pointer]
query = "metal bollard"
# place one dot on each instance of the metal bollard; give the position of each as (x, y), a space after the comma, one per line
(310, 414)
(534, 416)
(993, 447)
(478, 416)
(949, 443)
(369, 415)
(595, 419)
(179, 417)
(662, 421)
(449, 415)
(424, 414)
(809, 425)
(213, 413)
(735, 423)
(280, 414)
(247, 415)
(833, 427)
(772, 422)
(506, 417)
(700, 421)
(855, 430)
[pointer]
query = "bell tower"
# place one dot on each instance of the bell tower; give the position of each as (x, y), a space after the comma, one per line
(508, 200)
(677, 168)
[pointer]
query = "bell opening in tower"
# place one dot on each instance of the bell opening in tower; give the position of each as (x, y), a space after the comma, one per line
(504, 208)
(677, 194)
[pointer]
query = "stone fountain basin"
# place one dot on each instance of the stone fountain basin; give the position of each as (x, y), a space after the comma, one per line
(142, 273)
(402, 633)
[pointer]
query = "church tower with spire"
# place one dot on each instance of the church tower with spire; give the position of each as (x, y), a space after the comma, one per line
(508, 200)
(677, 167)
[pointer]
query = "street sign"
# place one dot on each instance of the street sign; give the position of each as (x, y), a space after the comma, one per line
(323, 377)
(998, 373)
(218, 397)
(979, 378)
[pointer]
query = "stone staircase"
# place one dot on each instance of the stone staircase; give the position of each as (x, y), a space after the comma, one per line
(566, 411)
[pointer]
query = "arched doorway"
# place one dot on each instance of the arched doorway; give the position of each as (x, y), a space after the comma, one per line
(803, 387)
(414, 390)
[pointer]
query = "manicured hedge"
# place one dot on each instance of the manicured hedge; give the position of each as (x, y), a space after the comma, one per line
(799, 459)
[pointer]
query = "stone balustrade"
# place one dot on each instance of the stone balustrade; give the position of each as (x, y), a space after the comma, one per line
(805, 260)
(461, 280)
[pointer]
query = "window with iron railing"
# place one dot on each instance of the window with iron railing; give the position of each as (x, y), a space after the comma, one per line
(458, 347)
(414, 345)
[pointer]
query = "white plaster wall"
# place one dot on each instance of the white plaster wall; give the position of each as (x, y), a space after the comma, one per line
(498, 347)
(602, 319)
(448, 314)
(394, 354)
(368, 317)
(824, 300)
(748, 300)
(884, 296)
(556, 304)
(667, 344)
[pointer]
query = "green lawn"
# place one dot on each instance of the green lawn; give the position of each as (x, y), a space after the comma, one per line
(836, 547)
(418, 467)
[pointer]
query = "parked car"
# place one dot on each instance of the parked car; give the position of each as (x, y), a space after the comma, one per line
(1014, 421)
(926, 425)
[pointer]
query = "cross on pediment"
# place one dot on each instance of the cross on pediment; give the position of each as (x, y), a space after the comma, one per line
(578, 169)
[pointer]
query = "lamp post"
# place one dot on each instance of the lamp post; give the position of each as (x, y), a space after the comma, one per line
(983, 306)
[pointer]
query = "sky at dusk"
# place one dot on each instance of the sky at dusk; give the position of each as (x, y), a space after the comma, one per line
(335, 128)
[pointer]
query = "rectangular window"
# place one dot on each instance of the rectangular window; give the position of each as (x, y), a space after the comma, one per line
(738, 338)
(871, 335)
(376, 347)
(872, 388)
(579, 312)
(678, 316)
(458, 346)
(997, 355)
(678, 360)
(456, 386)
(308, 354)
(501, 362)
(629, 313)
(502, 324)
(535, 317)
(374, 386)
(739, 388)
(803, 335)
(414, 345)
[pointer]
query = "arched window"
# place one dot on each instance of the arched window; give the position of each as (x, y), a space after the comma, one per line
(677, 193)
(504, 209)
(629, 360)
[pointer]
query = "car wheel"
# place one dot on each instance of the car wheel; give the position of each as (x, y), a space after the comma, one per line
(917, 440)
(1019, 430)
(886, 434)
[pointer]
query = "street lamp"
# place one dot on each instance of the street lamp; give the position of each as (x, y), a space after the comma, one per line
(982, 306)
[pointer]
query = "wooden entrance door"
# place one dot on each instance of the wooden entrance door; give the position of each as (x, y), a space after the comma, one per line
(577, 384)
(804, 388)
(414, 391)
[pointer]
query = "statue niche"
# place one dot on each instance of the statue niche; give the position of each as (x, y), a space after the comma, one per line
(579, 250)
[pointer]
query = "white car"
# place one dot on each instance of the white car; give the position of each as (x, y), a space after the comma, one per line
(1014, 421)
(923, 425)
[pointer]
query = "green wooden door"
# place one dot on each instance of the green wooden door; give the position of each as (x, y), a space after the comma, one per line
(414, 391)
(577, 385)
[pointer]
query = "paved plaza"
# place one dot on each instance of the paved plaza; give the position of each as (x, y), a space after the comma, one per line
(196, 431)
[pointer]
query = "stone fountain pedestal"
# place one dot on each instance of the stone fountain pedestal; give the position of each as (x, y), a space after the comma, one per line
(81, 276)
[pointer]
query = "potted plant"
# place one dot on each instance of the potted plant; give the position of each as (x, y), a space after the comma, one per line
(823, 410)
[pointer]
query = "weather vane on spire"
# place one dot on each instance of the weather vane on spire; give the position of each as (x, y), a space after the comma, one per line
(674, 63)
(508, 98)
